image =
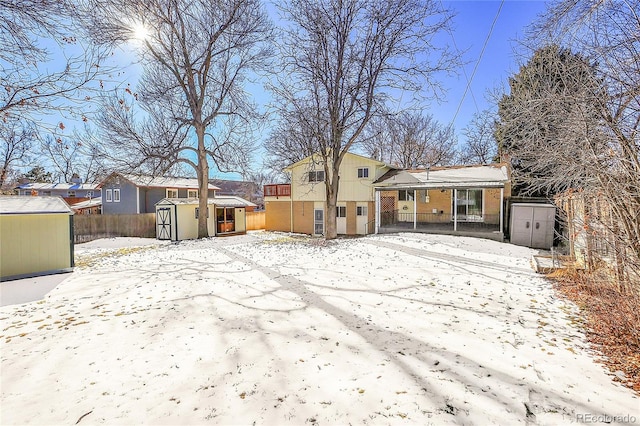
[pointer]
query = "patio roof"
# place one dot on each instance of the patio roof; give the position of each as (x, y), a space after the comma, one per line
(483, 176)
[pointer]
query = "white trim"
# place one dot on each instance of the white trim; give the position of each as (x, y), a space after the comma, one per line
(137, 199)
(108, 196)
(116, 195)
(377, 198)
(191, 191)
(166, 192)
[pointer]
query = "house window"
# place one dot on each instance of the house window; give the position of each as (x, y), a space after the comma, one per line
(116, 195)
(341, 211)
(192, 193)
(172, 193)
(71, 193)
(316, 176)
(108, 195)
(469, 204)
(405, 195)
(361, 210)
(363, 172)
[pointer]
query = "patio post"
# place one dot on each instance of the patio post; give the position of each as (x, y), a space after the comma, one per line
(415, 208)
(377, 219)
(455, 209)
(501, 210)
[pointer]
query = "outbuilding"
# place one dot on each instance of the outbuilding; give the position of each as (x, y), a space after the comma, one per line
(177, 218)
(36, 236)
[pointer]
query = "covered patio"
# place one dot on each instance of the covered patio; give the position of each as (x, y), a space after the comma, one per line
(466, 200)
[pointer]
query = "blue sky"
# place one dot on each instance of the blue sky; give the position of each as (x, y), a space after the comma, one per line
(471, 26)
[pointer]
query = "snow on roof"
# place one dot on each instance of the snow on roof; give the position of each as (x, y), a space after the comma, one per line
(164, 181)
(493, 175)
(230, 201)
(40, 186)
(21, 204)
(94, 202)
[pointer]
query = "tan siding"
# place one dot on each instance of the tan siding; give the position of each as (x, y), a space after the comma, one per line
(492, 204)
(241, 220)
(303, 217)
(278, 216)
(351, 218)
(255, 220)
(32, 244)
(437, 200)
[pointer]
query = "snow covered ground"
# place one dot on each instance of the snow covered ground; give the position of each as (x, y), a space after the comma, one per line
(268, 328)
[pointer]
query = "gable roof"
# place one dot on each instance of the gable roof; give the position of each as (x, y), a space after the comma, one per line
(148, 181)
(23, 204)
(488, 175)
(380, 163)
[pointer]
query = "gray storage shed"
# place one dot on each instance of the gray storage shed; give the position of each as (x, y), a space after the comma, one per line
(36, 236)
(532, 225)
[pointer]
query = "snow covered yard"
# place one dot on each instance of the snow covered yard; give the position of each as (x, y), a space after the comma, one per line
(271, 329)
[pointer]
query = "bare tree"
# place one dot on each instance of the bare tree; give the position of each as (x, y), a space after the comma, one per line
(480, 146)
(16, 140)
(32, 34)
(410, 140)
(607, 34)
(196, 57)
(73, 156)
(339, 57)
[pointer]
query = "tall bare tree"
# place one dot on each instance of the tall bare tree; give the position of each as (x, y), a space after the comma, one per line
(480, 146)
(410, 140)
(196, 55)
(44, 67)
(339, 59)
(16, 139)
(606, 32)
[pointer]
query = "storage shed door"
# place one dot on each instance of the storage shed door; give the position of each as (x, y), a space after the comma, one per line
(163, 221)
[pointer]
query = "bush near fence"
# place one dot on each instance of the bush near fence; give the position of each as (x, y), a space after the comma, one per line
(92, 227)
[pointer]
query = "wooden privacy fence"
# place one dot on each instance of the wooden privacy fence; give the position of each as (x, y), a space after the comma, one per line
(92, 227)
(255, 221)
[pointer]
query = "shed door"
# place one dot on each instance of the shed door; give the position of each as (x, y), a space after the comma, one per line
(521, 225)
(163, 220)
(542, 227)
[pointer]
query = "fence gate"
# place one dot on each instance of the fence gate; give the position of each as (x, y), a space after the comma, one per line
(163, 220)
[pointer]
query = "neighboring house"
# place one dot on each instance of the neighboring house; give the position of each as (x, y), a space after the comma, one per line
(237, 188)
(92, 206)
(72, 193)
(36, 236)
(300, 205)
(133, 194)
(376, 197)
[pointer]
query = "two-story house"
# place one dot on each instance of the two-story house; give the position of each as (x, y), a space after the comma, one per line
(132, 194)
(300, 205)
(376, 197)
(73, 192)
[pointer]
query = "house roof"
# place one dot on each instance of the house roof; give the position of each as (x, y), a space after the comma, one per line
(41, 186)
(218, 201)
(148, 181)
(380, 163)
(22, 204)
(490, 175)
(94, 202)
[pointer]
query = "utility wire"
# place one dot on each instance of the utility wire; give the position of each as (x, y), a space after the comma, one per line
(475, 68)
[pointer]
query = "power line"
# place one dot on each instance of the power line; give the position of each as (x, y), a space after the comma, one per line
(475, 68)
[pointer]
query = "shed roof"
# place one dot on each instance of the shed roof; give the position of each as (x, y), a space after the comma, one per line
(22, 204)
(229, 201)
(491, 175)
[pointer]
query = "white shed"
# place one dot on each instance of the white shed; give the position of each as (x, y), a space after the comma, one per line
(177, 218)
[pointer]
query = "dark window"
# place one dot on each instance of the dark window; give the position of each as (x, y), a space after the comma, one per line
(316, 176)
(341, 211)
(363, 172)
(405, 195)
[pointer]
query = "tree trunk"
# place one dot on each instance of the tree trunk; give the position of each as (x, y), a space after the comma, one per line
(331, 184)
(203, 184)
